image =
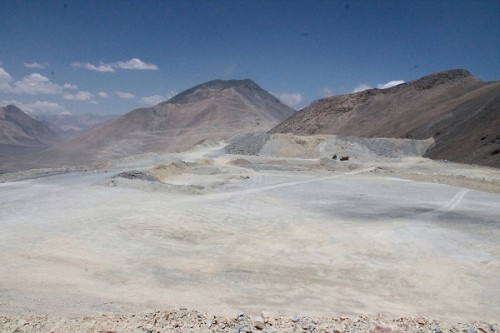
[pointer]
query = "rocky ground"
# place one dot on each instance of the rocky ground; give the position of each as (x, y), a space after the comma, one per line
(247, 144)
(333, 242)
(400, 158)
(184, 320)
(320, 146)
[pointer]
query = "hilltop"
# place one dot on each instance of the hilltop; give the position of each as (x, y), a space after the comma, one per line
(459, 111)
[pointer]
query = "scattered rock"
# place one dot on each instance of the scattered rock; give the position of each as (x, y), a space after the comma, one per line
(138, 175)
(265, 316)
(192, 321)
(485, 329)
(247, 144)
(259, 325)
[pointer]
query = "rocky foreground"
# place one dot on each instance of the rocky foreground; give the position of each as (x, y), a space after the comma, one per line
(183, 320)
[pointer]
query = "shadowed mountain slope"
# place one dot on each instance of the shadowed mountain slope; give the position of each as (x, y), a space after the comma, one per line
(19, 129)
(461, 112)
(213, 110)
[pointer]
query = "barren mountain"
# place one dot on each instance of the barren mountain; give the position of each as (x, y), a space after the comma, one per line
(19, 129)
(213, 110)
(459, 111)
(68, 125)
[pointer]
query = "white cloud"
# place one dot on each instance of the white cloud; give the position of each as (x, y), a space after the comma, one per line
(124, 95)
(47, 107)
(103, 68)
(133, 63)
(290, 99)
(155, 99)
(10, 102)
(79, 96)
(327, 92)
(70, 86)
(390, 84)
(361, 87)
(94, 102)
(5, 80)
(36, 84)
(36, 65)
(102, 94)
(38, 107)
(229, 70)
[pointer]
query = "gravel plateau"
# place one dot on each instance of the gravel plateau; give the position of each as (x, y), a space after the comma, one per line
(386, 241)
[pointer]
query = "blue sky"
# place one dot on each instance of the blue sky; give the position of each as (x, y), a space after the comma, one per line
(110, 57)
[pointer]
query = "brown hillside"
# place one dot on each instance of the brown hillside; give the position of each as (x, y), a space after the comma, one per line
(19, 129)
(214, 110)
(461, 112)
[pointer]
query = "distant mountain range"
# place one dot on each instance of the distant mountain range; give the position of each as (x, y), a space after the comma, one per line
(460, 112)
(214, 110)
(68, 125)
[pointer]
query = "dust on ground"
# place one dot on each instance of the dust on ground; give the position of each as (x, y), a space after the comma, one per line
(291, 235)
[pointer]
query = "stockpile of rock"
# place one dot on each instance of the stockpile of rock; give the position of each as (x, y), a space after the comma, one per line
(321, 146)
(136, 175)
(183, 320)
(247, 144)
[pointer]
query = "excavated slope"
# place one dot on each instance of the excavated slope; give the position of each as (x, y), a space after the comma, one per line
(460, 112)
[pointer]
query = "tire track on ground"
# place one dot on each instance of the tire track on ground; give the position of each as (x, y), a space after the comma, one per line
(454, 202)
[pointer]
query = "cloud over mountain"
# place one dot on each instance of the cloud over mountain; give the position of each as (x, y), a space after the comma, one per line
(156, 99)
(327, 92)
(38, 107)
(361, 87)
(290, 99)
(390, 84)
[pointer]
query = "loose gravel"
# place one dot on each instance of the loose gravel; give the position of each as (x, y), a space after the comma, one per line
(247, 144)
(184, 320)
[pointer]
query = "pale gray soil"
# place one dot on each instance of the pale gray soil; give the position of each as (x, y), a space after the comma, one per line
(283, 234)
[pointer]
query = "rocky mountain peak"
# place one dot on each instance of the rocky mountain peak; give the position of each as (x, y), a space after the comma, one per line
(211, 88)
(444, 77)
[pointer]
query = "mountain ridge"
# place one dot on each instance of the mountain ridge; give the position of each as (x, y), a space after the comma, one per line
(452, 106)
(67, 125)
(17, 128)
(216, 85)
(215, 110)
